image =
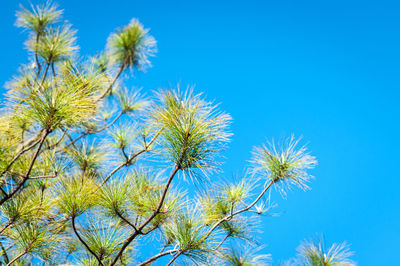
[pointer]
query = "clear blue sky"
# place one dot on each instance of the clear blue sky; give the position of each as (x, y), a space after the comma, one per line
(325, 70)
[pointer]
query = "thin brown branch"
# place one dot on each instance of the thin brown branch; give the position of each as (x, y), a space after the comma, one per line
(95, 131)
(129, 161)
(175, 257)
(222, 241)
(157, 211)
(54, 73)
(161, 254)
(50, 147)
(83, 242)
(37, 57)
(160, 204)
(19, 153)
(6, 226)
(33, 160)
(6, 259)
(121, 69)
(45, 72)
(34, 177)
(126, 220)
(151, 229)
(44, 176)
(228, 217)
(16, 258)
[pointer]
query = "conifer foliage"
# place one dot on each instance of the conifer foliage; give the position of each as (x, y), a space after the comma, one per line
(95, 173)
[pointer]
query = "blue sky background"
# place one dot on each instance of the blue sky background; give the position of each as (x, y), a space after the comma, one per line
(325, 70)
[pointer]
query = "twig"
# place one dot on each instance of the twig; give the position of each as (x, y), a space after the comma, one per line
(160, 204)
(228, 217)
(95, 131)
(121, 69)
(129, 161)
(161, 254)
(45, 72)
(222, 241)
(34, 177)
(83, 242)
(17, 257)
(175, 257)
(36, 56)
(126, 220)
(6, 259)
(6, 226)
(16, 157)
(12, 193)
(139, 231)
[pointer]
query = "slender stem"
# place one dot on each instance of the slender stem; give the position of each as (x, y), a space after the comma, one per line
(6, 226)
(53, 70)
(36, 56)
(44, 176)
(256, 200)
(34, 177)
(126, 220)
(112, 173)
(53, 146)
(21, 152)
(222, 241)
(29, 143)
(83, 242)
(175, 257)
(26, 177)
(228, 217)
(96, 131)
(121, 69)
(164, 247)
(160, 204)
(124, 153)
(6, 259)
(146, 148)
(45, 72)
(17, 257)
(150, 230)
(139, 231)
(161, 254)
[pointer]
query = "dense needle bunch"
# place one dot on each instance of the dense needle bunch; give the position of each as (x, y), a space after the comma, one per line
(313, 252)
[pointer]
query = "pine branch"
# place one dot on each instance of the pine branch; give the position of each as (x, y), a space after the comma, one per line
(222, 241)
(9, 223)
(16, 258)
(26, 177)
(95, 131)
(160, 204)
(160, 255)
(21, 152)
(126, 220)
(84, 243)
(230, 216)
(121, 69)
(157, 211)
(6, 258)
(36, 56)
(129, 161)
(45, 72)
(175, 257)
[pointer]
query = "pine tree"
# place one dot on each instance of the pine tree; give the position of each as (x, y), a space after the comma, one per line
(93, 172)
